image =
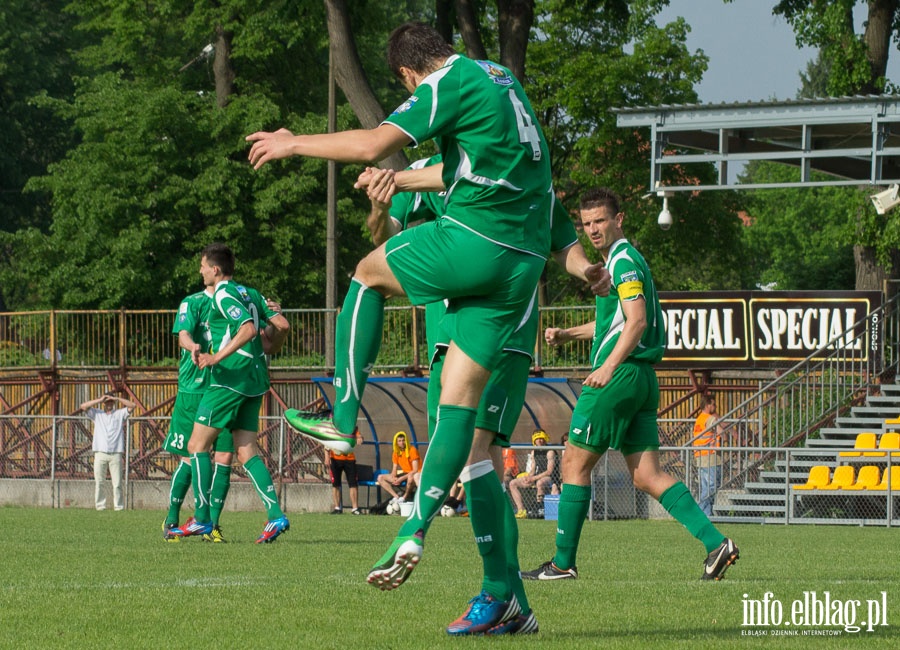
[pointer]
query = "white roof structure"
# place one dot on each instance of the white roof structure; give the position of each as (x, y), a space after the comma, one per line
(853, 139)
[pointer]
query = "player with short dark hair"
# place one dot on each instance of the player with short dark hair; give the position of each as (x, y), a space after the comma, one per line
(618, 405)
(193, 337)
(496, 217)
(495, 528)
(239, 378)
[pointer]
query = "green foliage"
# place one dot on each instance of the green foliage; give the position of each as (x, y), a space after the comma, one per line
(829, 26)
(160, 170)
(35, 40)
(588, 61)
(802, 239)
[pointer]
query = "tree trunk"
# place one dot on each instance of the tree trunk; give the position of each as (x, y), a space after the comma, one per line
(443, 19)
(515, 18)
(869, 275)
(467, 20)
(223, 70)
(350, 76)
(877, 38)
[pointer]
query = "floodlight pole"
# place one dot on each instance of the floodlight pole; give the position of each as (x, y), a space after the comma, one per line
(331, 225)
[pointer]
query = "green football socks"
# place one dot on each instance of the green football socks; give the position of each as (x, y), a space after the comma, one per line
(574, 501)
(201, 482)
(511, 542)
(679, 503)
(358, 333)
(447, 453)
(220, 484)
(262, 481)
(485, 499)
(181, 483)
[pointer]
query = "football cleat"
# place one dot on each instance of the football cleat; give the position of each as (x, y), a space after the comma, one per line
(215, 536)
(521, 624)
(356, 511)
(719, 560)
(273, 529)
(168, 533)
(549, 571)
(192, 527)
(522, 514)
(394, 567)
(484, 613)
(320, 427)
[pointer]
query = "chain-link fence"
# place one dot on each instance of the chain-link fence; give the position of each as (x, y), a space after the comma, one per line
(47, 461)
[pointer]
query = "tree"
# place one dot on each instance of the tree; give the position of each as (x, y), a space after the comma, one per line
(591, 58)
(160, 165)
(856, 65)
(35, 38)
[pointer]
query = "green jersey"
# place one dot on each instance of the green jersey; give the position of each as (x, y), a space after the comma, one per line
(245, 370)
(631, 279)
(562, 236)
(496, 161)
(192, 317)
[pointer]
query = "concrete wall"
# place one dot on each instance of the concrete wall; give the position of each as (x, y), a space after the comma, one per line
(152, 495)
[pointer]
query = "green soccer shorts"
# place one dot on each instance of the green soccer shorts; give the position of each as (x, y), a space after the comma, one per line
(222, 408)
(621, 415)
(489, 286)
(182, 424)
(502, 399)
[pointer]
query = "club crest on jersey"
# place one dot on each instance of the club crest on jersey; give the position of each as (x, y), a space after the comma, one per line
(405, 106)
(497, 74)
(629, 276)
(235, 312)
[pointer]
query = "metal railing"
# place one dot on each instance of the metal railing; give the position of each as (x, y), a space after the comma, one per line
(142, 339)
(813, 393)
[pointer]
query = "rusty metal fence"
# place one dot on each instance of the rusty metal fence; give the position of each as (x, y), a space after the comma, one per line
(142, 339)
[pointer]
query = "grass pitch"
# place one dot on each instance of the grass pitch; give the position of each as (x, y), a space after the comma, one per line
(87, 579)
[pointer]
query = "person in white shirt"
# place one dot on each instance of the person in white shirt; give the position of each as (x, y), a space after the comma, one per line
(109, 444)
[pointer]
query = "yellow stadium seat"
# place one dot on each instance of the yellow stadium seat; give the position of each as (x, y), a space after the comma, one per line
(844, 476)
(819, 476)
(867, 478)
(890, 441)
(895, 481)
(865, 440)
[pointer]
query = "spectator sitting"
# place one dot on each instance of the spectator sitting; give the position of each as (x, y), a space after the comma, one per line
(541, 466)
(405, 471)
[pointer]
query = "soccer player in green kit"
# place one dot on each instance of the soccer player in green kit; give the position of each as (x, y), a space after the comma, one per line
(618, 405)
(485, 254)
(496, 531)
(239, 378)
(193, 337)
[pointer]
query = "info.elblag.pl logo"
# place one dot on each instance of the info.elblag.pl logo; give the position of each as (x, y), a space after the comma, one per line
(815, 614)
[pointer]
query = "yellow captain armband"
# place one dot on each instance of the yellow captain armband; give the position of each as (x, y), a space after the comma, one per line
(629, 290)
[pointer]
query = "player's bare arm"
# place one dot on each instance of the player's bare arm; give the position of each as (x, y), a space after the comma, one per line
(380, 191)
(574, 260)
(426, 179)
(359, 145)
(635, 324)
(557, 336)
(275, 333)
(245, 333)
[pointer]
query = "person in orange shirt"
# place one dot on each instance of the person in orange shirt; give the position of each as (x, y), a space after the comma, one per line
(407, 466)
(510, 465)
(338, 464)
(707, 436)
